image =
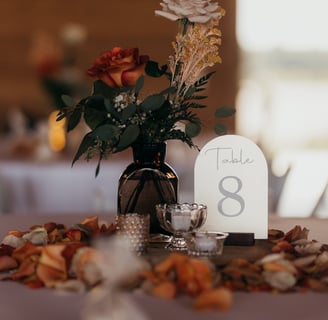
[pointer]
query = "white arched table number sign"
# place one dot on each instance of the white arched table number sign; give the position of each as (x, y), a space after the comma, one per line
(231, 178)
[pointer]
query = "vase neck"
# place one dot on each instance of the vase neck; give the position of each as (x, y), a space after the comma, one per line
(149, 153)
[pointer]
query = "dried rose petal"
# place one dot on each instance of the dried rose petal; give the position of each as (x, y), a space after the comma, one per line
(91, 223)
(7, 263)
(50, 226)
(304, 261)
(38, 236)
(165, 289)
(51, 256)
(70, 250)
(74, 235)
(49, 275)
(308, 247)
(283, 246)
(52, 265)
(26, 250)
(16, 233)
(13, 241)
(220, 298)
(296, 233)
(85, 266)
(281, 280)
(26, 269)
(6, 250)
(275, 235)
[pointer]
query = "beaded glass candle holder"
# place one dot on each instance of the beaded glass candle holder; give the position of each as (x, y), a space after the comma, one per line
(134, 227)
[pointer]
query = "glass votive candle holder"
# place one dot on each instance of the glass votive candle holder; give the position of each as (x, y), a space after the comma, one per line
(134, 227)
(205, 243)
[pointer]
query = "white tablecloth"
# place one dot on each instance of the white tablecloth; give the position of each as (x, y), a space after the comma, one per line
(56, 187)
(18, 302)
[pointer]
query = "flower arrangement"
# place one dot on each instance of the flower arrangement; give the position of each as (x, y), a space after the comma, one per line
(117, 112)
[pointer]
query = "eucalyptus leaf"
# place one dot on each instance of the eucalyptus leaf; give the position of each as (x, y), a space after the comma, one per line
(61, 115)
(153, 102)
(152, 69)
(74, 119)
(128, 112)
(129, 135)
(68, 101)
(224, 112)
(105, 132)
(193, 129)
(87, 142)
(108, 105)
(220, 129)
(98, 168)
(168, 90)
(102, 89)
(95, 102)
(111, 110)
(139, 85)
(94, 118)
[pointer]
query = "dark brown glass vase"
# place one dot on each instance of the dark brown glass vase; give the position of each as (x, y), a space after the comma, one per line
(147, 181)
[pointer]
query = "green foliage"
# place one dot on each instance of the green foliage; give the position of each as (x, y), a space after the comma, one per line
(129, 135)
(224, 112)
(152, 69)
(193, 129)
(117, 118)
(220, 129)
(153, 102)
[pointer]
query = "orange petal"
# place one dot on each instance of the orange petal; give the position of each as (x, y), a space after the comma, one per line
(7, 262)
(282, 246)
(6, 250)
(50, 226)
(26, 250)
(165, 290)
(74, 235)
(26, 269)
(51, 256)
(70, 250)
(92, 223)
(220, 299)
(130, 77)
(49, 275)
(203, 274)
(16, 233)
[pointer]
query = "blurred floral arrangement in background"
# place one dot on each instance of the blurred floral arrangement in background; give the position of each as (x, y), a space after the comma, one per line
(55, 62)
(117, 112)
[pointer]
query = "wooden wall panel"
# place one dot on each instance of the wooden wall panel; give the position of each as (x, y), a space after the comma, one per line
(126, 23)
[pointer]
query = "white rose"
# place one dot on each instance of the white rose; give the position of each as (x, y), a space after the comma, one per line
(200, 11)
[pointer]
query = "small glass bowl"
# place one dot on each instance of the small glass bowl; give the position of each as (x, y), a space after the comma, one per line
(180, 219)
(205, 243)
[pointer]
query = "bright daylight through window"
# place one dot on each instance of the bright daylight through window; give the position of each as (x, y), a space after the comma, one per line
(283, 98)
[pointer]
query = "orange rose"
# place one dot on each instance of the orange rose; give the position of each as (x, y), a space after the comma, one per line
(119, 67)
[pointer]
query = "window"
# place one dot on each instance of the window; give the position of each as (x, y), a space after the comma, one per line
(283, 99)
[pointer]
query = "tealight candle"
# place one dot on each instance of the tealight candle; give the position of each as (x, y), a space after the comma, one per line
(205, 241)
(181, 221)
